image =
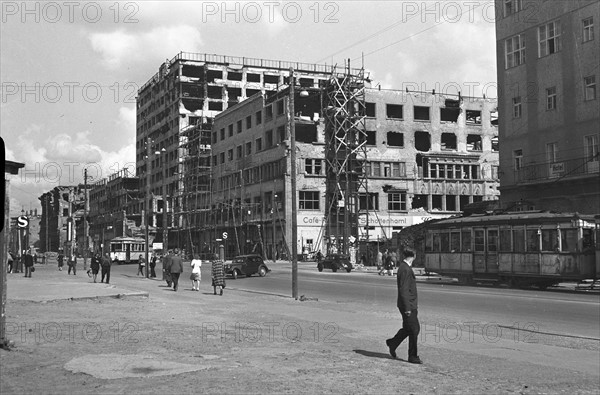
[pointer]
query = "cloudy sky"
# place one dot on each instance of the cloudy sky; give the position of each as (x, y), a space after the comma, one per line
(70, 70)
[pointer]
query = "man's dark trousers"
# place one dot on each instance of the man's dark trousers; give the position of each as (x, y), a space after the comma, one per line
(175, 278)
(410, 328)
(105, 273)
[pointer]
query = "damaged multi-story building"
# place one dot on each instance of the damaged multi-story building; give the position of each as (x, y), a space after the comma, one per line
(115, 210)
(419, 155)
(61, 224)
(175, 111)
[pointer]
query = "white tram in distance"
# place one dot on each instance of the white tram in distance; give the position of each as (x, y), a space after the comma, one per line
(521, 248)
(127, 249)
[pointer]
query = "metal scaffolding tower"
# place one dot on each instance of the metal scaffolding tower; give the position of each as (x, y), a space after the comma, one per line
(195, 179)
(345, 157)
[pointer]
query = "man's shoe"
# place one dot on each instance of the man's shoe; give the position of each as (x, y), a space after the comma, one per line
(415, 360)
(392, 349)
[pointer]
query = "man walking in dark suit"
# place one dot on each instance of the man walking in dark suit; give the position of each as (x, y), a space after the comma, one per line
(407, 304)
(176, 268)
(105, 265)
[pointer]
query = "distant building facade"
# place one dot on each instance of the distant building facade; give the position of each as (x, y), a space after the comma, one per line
(428, 155)
(548, 54)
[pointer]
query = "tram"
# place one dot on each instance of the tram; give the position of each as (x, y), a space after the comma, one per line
(521, 248)
(127, 249)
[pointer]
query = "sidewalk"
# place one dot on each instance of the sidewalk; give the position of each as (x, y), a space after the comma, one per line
(58, 285)
(189, 342)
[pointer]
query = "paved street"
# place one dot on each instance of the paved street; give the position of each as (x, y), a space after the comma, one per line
(473, 339)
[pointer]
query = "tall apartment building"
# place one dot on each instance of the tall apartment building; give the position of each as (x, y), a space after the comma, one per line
(548, 54)
(175, 110)
(427, 155)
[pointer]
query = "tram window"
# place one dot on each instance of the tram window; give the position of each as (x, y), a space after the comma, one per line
(568, 239)
(549, 240)
(428, 243)
(454, 241)
(518, 240)
(466, 241)
(436, 242)
(505, 244)
(587, 243)
(533, 243)
(492, 240)
(479, 240)
(445, 239)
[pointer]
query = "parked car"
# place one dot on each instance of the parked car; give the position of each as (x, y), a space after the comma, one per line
(246, 265)
(335, 262)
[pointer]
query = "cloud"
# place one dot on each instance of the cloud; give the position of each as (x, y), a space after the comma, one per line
(114, 47)
(127, 118)
(120, 48)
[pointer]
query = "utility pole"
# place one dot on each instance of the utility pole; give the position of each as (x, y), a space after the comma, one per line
(147, 211)
(292, 116)
(86, 243)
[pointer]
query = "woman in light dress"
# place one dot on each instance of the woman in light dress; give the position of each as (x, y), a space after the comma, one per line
(195, 276)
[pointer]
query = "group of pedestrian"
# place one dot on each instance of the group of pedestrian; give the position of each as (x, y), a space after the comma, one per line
(172, 267)
(24, 263)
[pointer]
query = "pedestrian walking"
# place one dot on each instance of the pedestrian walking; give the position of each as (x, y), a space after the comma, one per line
(19, 262)
(381, 262)
(105, 268)
(72, 263)
(176, 269)
(141, 265)
(61, 260)
(95, 266)
(10, 262)
(166, 266)
(217, 274)
(196, 275)
(28, 263)
(153, 266)
(407, 304)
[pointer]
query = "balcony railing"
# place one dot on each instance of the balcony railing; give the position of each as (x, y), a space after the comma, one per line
(564, 169)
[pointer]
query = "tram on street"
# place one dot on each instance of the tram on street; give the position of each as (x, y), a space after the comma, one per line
(127, 249)
(520, 248)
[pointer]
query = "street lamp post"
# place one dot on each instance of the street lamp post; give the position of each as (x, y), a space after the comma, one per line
(292, 120)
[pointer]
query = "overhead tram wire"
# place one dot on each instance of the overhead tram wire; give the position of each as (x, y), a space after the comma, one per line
(408, 37)
(385, 29)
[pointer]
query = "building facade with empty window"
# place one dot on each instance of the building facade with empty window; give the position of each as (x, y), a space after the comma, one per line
(175, 109)
(427, 155)
(547, 57)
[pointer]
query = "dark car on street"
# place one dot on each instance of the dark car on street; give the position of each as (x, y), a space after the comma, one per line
(246, 265)
(335, 262)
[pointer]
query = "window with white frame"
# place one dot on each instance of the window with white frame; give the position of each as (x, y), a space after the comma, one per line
(589, 87)
(551, 98)
(549, 38)
(518, 159)
(517, 110)
(514, 51)
(552, 152)
(588, 29)
(512, 7)
(308, 200)
(313, 166)
(397, 201)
